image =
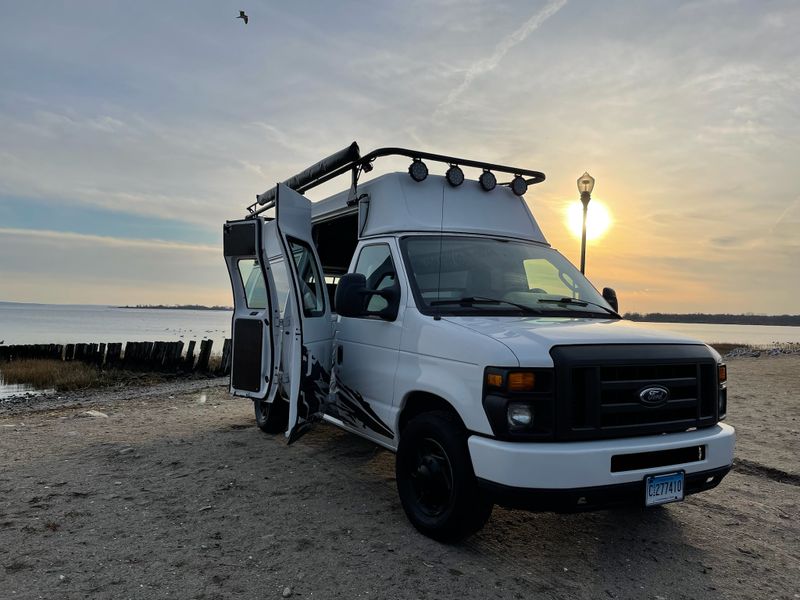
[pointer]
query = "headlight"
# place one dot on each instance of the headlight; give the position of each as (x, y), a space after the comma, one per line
(722, 377)
(520, 416)
(519, 403)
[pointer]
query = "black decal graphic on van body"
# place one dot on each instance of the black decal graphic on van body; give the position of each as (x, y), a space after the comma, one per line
(356, 412)
(314, 385)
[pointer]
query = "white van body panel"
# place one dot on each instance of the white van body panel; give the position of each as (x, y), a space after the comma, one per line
(570, 465)
(531, 338)
(447, 360)
(369, 350)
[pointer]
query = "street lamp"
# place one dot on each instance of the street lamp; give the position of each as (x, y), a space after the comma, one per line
(585, 187)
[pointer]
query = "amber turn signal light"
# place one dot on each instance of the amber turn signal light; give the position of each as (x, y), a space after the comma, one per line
(521, 381)
(494, 380)
(723, 373)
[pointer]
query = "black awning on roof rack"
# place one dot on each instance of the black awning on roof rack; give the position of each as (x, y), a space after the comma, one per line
(343, 158)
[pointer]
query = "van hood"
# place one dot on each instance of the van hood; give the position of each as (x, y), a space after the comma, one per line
(530, 338)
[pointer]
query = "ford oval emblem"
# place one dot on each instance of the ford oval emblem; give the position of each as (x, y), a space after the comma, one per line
(654, 395)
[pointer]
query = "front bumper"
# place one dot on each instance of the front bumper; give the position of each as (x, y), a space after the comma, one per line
(592, 498)
(584, 465)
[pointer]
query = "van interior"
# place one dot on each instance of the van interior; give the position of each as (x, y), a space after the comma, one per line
(336, 240)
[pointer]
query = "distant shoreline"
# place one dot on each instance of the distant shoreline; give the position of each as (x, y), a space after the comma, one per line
(179, 307)
(716, 319)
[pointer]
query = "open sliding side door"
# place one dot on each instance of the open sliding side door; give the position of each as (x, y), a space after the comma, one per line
(255, 332)
(310, 330)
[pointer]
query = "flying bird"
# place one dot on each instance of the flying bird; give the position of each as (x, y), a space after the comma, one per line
(243, 17)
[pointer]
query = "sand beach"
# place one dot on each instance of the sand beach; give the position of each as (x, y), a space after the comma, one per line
(170, 491)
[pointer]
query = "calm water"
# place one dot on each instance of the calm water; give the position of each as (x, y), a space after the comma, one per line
(755, 335)
(62, 324)
(65, 324)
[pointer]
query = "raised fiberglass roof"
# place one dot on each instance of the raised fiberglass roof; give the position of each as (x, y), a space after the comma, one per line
(395, 203)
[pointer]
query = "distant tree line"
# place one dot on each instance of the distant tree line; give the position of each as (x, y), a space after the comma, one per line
(723, 319)
(180, 306)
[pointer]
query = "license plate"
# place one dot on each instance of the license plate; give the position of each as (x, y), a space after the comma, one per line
(660, 489)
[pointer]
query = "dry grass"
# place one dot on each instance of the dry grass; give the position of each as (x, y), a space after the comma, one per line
(74, 375)
(214, 362)
(51, 374)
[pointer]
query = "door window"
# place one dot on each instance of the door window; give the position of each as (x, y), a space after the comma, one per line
(281, 278)
(311, 284)
(375, 263)
(253, 281)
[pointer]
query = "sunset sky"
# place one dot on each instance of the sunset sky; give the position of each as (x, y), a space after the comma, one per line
(129, 131)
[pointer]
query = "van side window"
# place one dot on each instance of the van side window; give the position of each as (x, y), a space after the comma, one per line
(311, 284)
(375, 263)
(281, 278)
(254, 289)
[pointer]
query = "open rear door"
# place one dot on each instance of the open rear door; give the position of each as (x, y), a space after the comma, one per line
(310, 330)
(254, 363)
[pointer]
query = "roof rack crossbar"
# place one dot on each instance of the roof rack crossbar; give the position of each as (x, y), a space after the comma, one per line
(349, 159)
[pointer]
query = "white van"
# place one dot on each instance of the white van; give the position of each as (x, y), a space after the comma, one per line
(429, 314)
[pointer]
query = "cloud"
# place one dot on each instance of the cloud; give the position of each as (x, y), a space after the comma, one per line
(790, 215)
(687, 117)
(489, 63)
(104, 241)
(58, 267)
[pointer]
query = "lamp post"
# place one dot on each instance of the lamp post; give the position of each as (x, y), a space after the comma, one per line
(585, 187)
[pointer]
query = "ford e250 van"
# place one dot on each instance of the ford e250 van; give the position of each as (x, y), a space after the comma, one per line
(429, 314)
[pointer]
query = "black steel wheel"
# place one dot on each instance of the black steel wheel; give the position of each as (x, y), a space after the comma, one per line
(272, 417)
(432, 478)
(437, 486)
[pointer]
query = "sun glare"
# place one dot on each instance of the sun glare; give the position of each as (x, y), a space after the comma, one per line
(598, 220)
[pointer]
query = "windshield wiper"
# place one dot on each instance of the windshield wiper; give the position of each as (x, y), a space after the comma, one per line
(483, 300)
(576, 302)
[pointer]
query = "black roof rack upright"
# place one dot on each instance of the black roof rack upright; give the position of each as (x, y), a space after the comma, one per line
(350, 159)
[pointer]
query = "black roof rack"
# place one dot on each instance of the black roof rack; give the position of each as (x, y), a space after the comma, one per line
(350, 159)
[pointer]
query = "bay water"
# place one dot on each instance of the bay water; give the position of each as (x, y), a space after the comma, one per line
(66, 324)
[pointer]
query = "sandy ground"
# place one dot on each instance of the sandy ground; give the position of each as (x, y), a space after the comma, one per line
(176, 494)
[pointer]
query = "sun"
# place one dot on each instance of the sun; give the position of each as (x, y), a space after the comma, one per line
(598, 219)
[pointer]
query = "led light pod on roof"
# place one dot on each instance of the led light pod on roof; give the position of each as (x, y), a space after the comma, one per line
(519, 186)
(454, 175)
(488, 181)
(418, 170)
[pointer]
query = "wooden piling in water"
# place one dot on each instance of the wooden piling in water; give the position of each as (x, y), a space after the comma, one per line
(155, 356)
(113, 355)
(205, 354)
(225, 363)
(188, 362)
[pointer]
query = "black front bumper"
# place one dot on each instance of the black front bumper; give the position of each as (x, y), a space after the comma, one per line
(590, 498)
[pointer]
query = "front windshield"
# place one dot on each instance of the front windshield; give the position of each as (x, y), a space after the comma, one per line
(472, 275)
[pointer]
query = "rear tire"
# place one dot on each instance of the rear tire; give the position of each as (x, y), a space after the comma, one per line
(272, 417)
(435, 480)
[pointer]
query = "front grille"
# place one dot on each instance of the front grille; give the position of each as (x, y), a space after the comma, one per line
(598, 389)
(660, 458)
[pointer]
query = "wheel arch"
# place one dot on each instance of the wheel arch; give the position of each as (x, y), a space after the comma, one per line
(418, 402)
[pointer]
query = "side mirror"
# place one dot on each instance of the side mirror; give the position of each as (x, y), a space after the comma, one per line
(610, 296)
(352, 298)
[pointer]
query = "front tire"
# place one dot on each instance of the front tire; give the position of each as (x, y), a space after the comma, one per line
(435, 480)
(272, 417)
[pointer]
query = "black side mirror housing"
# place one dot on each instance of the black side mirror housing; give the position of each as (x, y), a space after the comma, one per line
(610, 296)
(352, 298)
